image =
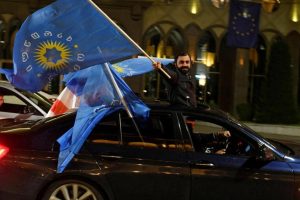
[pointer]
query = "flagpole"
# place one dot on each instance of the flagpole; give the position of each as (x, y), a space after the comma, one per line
(131, 40)
(120, 94)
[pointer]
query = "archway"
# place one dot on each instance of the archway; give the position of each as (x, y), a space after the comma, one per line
(160, 44)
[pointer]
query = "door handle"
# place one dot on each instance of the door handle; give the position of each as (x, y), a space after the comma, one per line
(204, 165)
(111, 157)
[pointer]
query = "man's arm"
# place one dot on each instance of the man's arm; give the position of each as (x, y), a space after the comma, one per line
(172, 74)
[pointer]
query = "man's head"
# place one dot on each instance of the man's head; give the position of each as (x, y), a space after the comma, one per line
(183, 62)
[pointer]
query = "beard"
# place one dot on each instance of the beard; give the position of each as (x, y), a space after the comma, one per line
(184, 70)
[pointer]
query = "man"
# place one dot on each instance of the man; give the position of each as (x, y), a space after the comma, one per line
(181, 84)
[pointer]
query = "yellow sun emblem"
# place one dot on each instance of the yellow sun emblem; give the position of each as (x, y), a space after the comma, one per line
(118, 68)
(52, 55)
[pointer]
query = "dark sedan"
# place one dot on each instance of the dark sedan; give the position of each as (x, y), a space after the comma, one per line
(176, 154)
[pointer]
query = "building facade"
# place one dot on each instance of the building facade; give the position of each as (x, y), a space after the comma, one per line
(226, 77)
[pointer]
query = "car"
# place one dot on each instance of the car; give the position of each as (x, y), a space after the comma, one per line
(21, 105)
(161, 158)
(48, 97)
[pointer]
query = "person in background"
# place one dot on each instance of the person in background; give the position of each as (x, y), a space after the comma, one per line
(181, 84)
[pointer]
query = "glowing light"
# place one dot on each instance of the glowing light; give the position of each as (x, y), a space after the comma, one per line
(194, 6)
(241, 61)
(210, 59)
(295, 12)
(202, 79)
(3, 151)
(160, 49)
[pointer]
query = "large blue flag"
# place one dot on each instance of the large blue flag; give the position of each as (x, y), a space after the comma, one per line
(243, 24)
(137, 66)
(66, 36)
(98, 98)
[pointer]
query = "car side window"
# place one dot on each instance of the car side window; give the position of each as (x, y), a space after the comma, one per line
(14, 104)
(156, 132)
(214, 138)
(106, 131)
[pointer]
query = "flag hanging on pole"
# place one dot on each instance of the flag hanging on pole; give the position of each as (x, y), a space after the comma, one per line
(243, 24)
(69, 98)
(63, 37)
(98, 98)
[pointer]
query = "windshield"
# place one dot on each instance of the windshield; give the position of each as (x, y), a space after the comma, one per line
(271, 143)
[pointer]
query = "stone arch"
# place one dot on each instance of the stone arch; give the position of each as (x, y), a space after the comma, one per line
(152, 38)
(269, 34)
(176, 41)
(192, 32)
(163, 39)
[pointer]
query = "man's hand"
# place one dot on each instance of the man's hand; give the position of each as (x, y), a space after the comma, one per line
(225, 134)
(156, 65)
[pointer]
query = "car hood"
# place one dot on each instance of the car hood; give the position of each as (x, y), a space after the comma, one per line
(293, 159)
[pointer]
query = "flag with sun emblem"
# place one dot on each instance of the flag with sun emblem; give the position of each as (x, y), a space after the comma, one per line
(243, 24)
(63, 37)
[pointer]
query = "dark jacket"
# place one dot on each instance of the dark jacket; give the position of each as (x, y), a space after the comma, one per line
(181, 87)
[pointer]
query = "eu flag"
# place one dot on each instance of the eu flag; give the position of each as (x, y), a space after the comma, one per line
(65, 36)
(243, 24)
(98, 98)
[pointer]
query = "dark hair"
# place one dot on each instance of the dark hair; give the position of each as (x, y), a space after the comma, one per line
(183, 53)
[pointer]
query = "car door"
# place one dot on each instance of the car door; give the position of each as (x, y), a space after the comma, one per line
(237, 174)
(145, 164)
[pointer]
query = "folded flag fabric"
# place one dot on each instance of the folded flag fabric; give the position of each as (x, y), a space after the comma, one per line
(64, 37)
(69, 97)
(66, 101)
(98, 97)
(73, 139)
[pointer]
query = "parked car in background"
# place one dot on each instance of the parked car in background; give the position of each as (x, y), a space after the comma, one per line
(21, 105)
(166, 158)
(47, 96)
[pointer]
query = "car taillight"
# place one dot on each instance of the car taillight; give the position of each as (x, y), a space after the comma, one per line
(3, 151)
